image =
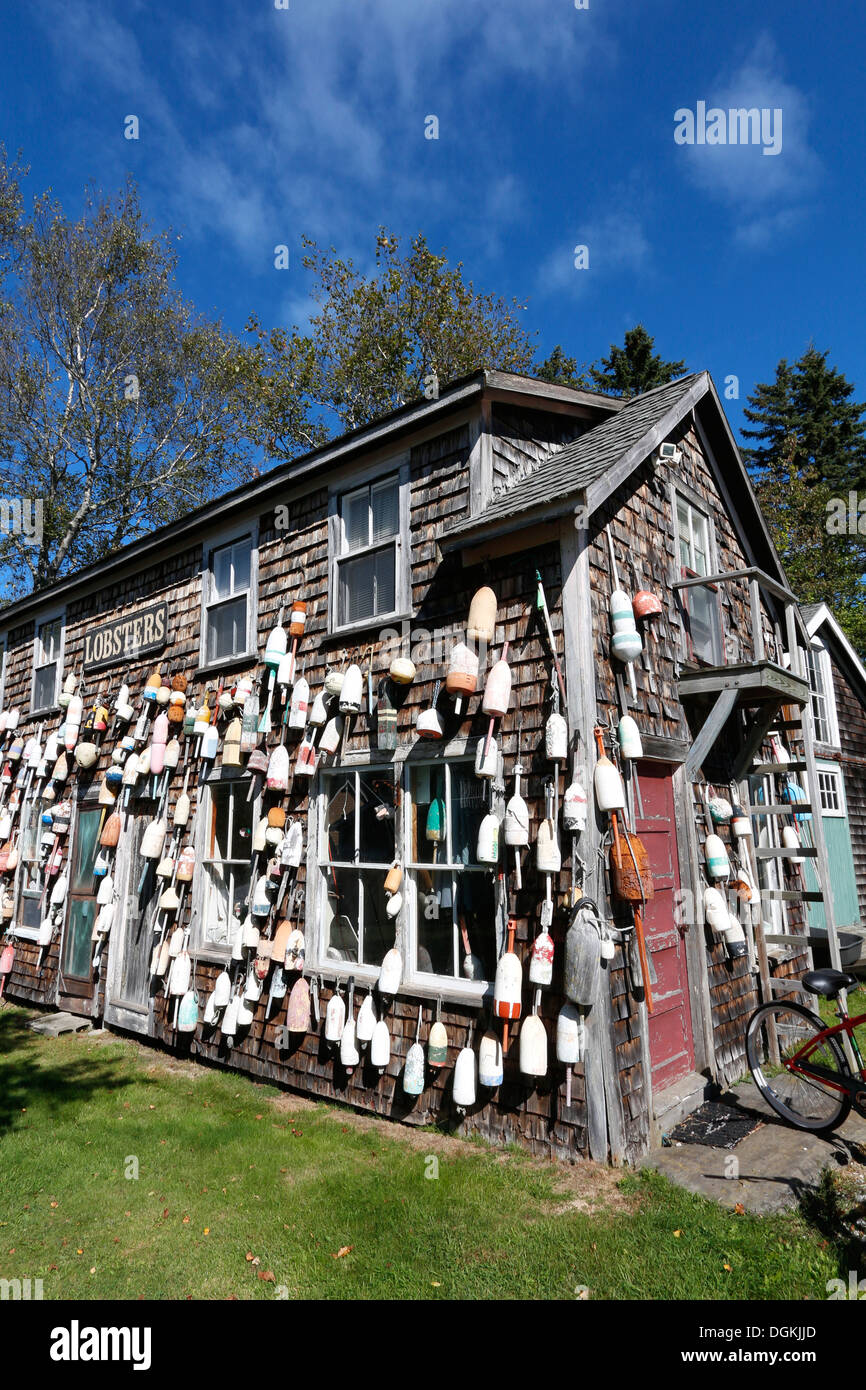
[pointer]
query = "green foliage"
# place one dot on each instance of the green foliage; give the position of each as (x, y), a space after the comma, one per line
(119, 406)
(810, 449)
(634, 368)
(378, 343)
(565, 371)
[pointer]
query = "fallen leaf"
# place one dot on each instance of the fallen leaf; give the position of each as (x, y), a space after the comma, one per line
(740, 1209)
(677, 1234)
(186, 1221)
(267, 1275)
(343, 1250)
(206, 1231)
(727, 1267)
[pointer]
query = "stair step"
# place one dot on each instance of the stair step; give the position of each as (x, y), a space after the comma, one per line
(774, 852)
(793, 895)
(775, 939)
(786, 986)
(778, 808)
(788, 724)
(770, 769)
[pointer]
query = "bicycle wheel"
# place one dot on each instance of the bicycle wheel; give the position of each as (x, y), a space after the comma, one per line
(777, 1031)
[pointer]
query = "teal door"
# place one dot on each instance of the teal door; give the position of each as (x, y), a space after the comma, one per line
(77, 953)
(837, 835)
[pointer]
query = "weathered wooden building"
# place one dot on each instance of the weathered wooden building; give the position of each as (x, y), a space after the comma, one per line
(385, 535)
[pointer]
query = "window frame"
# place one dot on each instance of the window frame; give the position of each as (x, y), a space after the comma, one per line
(394, 467)
(237, 780)
(215, 543)
(32, 803)
(321, 862)
(818, 659)
(57, 616)
(680, 495)
(4, 653)
(834, 771)
(454, 987)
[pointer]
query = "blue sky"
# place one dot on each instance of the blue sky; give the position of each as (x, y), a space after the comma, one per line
(556, 128)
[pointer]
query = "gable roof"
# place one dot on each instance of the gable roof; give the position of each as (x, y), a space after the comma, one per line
(608, 445)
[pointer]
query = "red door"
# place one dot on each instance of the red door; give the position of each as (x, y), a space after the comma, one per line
(670, 1024)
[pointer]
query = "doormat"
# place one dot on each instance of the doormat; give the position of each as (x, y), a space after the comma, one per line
(715, 1124)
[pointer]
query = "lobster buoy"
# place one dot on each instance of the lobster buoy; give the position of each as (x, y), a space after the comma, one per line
(437, 1045)
(481, 624)
(508, 986)
(741, 825)
(278, 769)
(569, 1029)
(487, 851)
(187, 1014)
(582, 955)
(232, 744)
(486, 758)
(413, 1070)
(319, 711)
(153, 839)
(791, 840)
(465, 1073)
(380, 1046)
(533, 1046)
(393, 879)
(628, 736)
(715, 910)
(462, 678)
(541, 959)
(429, 725)
(607, 783)
(298, 1014)
(276, 647)
(335, 1018)
(626, 646)
(349, 1054)
(574, 808)
(306, 758)
(556, 738)
(735, 938)
(718, 864)
(721, 810)
(65, 695)
(158, 743)
(548, 859)
(434, 829)
(331, 735)
(402, 670)
(490, 1069)
(72, 722)
(367, 1020)
(517, 815)
(390, 973)
(286, 670)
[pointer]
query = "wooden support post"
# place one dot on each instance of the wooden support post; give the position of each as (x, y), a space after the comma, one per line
(709, 732)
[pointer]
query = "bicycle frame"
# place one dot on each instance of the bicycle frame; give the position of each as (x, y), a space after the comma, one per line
(799, 1063)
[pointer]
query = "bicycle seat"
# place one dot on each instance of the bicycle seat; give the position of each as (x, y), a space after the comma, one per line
(827, 982)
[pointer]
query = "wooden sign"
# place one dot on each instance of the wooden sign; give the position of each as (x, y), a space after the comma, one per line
(126, 639)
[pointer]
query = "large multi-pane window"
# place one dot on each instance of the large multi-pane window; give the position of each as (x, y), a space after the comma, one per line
(228, 588)
(823, 697)
(357, 846)
(368, 560)
(454, 899)
(47, 650)
(225, 861)
(30, 908)
(701, 602)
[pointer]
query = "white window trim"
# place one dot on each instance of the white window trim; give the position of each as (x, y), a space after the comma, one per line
(679, 493)
(398, 466)
(199, 946)
(213, 543)
(58, 615)
(4, 653)
(823, 659)
(836, 771)
(27, 933)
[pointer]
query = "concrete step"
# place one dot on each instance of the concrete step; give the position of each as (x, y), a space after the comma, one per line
(673, 1104)
(52, 1025)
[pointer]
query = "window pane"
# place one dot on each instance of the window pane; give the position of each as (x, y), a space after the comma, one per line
(221, 569)
(341, 914)
(227, 629)
(340, 818)
(356, 519)
(241, 557)
(435, 947)
(218, 920)
(428, 825)
(385, 507)
(219, 827)
(357, 589)
(231, 824)
(468, 809)
(378, 819)
(85, 852)
(45, 687)
(379, 928)
(77, 947)
(386, 581)
(705, 626)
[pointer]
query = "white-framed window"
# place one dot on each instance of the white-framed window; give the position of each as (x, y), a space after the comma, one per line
(369, 526)
(357, 846)
(225, 846)
(4, 642)
(47, 664)
(830, 790)
(702, 614)
(229, 600)
(30, 909)
(823, 697)
(451, 899)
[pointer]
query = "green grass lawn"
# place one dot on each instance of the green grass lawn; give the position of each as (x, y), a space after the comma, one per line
(244, 1192)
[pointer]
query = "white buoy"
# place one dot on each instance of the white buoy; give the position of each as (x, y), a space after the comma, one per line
(533, 1046)
(380, 1046)
(490, 1070)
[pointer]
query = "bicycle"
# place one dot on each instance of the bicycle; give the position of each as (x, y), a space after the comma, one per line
(798, 1062)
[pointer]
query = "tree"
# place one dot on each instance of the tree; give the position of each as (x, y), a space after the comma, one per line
(565, 371)
(807, 415)
(119, 408)
(634, 368)
(377, 343)
(810, 448)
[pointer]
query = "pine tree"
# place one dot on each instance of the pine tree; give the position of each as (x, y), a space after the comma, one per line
(635, 367)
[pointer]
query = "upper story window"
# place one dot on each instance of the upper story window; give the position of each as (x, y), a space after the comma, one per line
(228, 601)
(830, 791)
(47, 658)
(3, 645)
(701, 608)
(369, 551)
(823, 697)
